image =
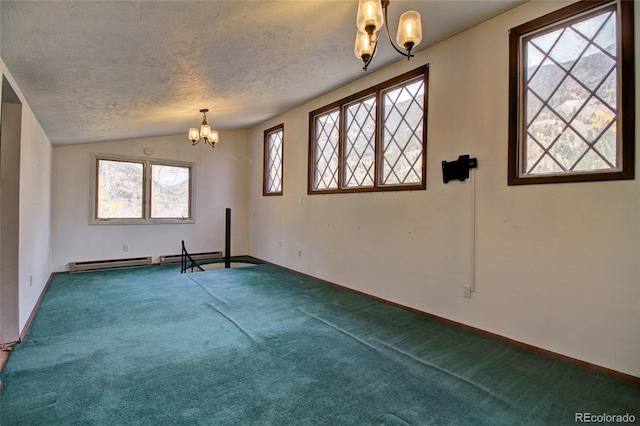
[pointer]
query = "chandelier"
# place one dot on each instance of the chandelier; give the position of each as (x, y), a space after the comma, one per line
(206, 134)
(372, 16)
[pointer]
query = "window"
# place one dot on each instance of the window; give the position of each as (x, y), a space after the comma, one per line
(325, 151)
(273, 160)
(359, 144)
(120, 190)
(571, 95)
(374, 140)
(129, 190)
(170, 187)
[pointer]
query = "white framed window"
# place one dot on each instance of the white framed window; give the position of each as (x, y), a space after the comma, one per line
(127, 190)
(374, 140)
(572, 95)
(273, 160)
(170, 191)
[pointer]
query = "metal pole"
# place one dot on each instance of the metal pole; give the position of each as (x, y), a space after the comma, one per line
(183, 260)
(227, 242)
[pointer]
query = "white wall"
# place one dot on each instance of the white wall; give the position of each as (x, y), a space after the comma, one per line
(221, 182)
(35, 213)
(34, 261)
(556, 265)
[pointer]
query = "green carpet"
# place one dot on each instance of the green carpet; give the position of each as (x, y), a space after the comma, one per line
(262, 345)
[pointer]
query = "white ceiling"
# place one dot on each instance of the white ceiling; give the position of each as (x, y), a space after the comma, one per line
(106, 70)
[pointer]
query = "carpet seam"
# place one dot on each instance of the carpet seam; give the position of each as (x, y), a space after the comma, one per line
(412, 357)
(228, 318)
(427, 364)
(205, 290)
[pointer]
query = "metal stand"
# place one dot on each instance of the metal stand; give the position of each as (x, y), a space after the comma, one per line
(185, 258)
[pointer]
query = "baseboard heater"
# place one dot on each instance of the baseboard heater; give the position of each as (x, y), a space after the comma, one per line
(109, 264)
(175, 258)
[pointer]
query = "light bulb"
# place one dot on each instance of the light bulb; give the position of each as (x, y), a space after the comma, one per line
(194, 135)
(369, 19)
(409, 30)
(205, 131)
(363, 48)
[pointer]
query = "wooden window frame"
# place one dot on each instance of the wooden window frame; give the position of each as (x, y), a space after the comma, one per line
(339, 105)
(626, 94)
(266, 165)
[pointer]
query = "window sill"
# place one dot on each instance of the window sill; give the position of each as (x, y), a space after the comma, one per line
(140, 221)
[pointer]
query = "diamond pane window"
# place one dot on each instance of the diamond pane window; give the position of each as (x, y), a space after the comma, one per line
(359, 143)
(571, 95)
(325, 151)
(402, 136)
(374, 140)
(273, 160)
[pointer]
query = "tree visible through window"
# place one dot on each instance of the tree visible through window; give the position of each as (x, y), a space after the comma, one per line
(120, 190)
(170, 187)
(568, 98)
(139, 191)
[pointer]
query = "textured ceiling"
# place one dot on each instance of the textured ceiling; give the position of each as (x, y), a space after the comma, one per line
(106, 70)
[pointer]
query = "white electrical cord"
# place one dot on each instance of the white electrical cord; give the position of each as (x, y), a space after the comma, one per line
(472, 274)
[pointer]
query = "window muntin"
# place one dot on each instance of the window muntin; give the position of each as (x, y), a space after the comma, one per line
(359, 143)
(325, 150)
(568, 73)
(139, 191)
(403, 128)
(273, 160)
(374, 140)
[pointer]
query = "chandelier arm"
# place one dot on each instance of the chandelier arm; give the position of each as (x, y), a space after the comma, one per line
(386, 25)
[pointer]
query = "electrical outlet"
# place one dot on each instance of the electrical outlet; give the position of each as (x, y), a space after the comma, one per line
(299, 253)
(467, 291)
(30, 280)
(125, 247)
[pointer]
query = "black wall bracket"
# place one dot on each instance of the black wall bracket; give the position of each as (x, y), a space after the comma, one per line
(458, 169)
